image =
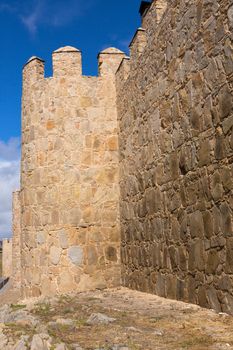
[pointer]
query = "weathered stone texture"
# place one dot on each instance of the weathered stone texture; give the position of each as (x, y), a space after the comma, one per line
(16, 242)
(132, 170)
(175, 111)
(70, 175)
(7, 258)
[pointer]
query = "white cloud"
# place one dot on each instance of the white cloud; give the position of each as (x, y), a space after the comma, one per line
(9, 182)
(34, 14)
(32, 19)
(10, 150)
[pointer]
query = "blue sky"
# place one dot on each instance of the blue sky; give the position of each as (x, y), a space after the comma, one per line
(38, 27)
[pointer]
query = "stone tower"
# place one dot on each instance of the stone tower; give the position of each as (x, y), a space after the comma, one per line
(69, 180)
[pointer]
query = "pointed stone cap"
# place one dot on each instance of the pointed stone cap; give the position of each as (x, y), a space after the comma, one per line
(34, 58)
(66, 49)
(111, 50)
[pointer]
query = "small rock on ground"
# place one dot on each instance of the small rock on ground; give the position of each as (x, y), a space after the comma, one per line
(21, 345)
(99, 319)
(61, 346)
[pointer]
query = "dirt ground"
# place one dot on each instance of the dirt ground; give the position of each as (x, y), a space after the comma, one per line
(143, 322)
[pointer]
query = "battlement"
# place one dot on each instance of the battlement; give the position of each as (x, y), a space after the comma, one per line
(67, 63)
(149, 10)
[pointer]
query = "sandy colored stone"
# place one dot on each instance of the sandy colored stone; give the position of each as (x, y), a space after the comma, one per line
(75, 255)
(55, 254)
(7, 263)
(126, 176)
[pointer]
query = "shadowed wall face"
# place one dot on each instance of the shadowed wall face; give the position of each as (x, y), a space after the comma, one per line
(175, 104)
(70, 191)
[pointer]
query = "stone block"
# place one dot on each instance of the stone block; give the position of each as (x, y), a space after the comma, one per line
(111, 254)
(160, 285)
(226, 220)
(62, 236)
(208, 224)
(75, 254)
(40, 238)
(181, 290)
(212, 262)
(182, 258)
(204, 153)
(229, 255)
(202, 298)
(171, 286)
(225, 102)
(213, 300)
(196, 256)
(66, 282)
(173, 257)
(55, 255)
(192, 289)
(196, 224)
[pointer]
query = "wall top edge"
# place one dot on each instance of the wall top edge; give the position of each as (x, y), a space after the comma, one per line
(66, 49)
(33, 58)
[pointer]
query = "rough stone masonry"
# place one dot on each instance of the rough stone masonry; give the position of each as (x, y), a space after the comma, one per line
(70, 181)
(127, 177)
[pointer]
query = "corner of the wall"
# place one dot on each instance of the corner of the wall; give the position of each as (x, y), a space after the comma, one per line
(123, 70)
(138, 43)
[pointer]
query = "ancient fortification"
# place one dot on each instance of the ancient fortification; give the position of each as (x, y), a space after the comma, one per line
(127, 177)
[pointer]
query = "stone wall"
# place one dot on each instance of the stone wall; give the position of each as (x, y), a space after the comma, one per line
(176, 151)
(16, 243)
(6, 258)
(69, 180)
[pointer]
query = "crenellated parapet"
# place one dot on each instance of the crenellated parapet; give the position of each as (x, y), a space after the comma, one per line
(67, 63)
(152, 13)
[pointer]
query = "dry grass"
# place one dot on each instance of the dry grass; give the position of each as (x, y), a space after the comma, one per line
(142, 322)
